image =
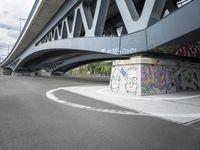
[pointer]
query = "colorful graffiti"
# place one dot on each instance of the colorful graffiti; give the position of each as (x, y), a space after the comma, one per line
(148, 79)
(156, 79)
(187, 79)
(192, 50)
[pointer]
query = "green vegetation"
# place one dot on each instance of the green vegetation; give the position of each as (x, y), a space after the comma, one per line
(98, 68)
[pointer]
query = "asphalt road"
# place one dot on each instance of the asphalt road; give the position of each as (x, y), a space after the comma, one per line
(31, 121)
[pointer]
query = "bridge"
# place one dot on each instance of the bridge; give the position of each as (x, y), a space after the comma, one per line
(155, 43)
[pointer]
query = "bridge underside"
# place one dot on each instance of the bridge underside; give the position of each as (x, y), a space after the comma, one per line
(67, 44)
(62, 60)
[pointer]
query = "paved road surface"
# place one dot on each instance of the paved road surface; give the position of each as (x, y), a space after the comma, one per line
(30, 121)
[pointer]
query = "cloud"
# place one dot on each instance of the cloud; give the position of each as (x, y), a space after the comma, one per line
(3, 44)
(4, 48)
(10, 12)
(8, 27)
(13, 34)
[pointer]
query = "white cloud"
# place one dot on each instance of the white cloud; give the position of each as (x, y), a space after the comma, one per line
(10, 12)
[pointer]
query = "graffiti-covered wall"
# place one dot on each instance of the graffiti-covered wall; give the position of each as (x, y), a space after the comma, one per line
(148, 76)
(157, 79)
(125, 79)
(192, 50)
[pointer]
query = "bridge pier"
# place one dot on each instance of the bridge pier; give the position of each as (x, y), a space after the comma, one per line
(40, 73)
(35, 73)
(142, 75)
(4, 71)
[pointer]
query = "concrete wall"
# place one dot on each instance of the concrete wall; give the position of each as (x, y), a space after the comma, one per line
(1, 70)
(147, 76)
(126, 79)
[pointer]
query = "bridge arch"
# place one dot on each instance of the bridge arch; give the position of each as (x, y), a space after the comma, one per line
(56, 55)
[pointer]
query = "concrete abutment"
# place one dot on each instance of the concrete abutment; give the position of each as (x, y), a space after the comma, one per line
(4, 71)
(142, 75)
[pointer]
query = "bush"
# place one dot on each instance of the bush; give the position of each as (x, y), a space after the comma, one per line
(98, 68)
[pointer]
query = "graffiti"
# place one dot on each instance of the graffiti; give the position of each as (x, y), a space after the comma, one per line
(187, 79)
(124, 79)
(149, 79)
(111, 51)
(123, 72)
(131, 81)
(131, 85)
(117, 50)
(156, 78)
(128, 50)
(192, 50)
(115, 80)
(164, 79)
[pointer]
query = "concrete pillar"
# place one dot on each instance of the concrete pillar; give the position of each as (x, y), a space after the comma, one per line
(40, 73)
(5, 71)
(1, 71)
(143, 75)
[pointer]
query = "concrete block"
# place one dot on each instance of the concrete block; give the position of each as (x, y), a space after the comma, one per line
(151, 76)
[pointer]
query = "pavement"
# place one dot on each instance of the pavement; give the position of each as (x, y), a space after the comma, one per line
(178, 107)
(29, 120)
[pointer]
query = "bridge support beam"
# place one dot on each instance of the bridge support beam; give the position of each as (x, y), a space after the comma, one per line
(143, 75)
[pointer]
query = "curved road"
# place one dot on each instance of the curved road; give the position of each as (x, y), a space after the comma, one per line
(31, 121)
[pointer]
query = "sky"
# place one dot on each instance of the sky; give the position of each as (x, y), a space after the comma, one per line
(10, 12)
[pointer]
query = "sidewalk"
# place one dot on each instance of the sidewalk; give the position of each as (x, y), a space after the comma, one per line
(178, 107)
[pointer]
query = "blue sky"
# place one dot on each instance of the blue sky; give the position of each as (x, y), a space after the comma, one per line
(10, 12)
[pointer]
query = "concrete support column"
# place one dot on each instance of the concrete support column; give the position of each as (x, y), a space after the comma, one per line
(5, 71)
(40, 73)
(36, 73)
(150, 76)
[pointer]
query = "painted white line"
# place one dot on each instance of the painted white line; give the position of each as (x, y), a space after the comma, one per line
(166, 116)
(192, 122)
(50, 95)
(105, 91)
(176, 115)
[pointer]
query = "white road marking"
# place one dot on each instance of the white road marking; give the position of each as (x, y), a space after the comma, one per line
(192, 122)
(176, 115)
(50, 95)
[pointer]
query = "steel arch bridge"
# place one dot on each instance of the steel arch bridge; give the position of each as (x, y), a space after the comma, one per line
(64, 34)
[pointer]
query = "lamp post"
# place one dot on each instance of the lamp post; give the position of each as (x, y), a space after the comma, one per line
(8, 48)
(20, 24)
